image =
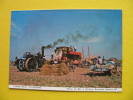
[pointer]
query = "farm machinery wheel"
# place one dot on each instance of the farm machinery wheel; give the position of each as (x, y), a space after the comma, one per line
(21, 65)
(31, 64)
(115, 73)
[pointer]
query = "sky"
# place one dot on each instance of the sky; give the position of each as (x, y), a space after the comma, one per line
(100, 30)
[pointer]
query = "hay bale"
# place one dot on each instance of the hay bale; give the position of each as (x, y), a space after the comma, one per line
(47, 62)
(57, 69)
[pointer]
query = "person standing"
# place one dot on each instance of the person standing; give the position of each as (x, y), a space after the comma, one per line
(100, 60)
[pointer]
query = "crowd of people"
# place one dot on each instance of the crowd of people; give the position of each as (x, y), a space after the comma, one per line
(94, 61)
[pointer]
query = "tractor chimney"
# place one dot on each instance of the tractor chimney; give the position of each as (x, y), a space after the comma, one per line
(88, 52)
(83, 52)
(43, 47)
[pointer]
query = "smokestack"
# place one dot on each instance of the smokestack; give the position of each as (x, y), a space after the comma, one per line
(88, 52)
(83, 52)
(43, 47)
(103, 58)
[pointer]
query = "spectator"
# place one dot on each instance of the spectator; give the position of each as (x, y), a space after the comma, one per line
(59, 61)
(100, 60)
(74, 48)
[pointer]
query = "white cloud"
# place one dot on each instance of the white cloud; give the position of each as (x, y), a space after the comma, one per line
(15, 27)
(92, 40)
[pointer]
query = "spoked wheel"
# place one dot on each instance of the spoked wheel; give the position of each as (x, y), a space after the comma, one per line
(31, 64)
(21, 65)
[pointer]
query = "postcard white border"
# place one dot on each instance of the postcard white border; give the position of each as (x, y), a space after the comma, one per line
(65, 88)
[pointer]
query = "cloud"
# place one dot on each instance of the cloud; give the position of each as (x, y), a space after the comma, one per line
(92, 40)
(15, 27)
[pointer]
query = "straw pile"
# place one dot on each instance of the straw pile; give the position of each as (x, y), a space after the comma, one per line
(57, 69)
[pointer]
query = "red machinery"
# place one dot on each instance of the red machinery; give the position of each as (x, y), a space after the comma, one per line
(68, 54)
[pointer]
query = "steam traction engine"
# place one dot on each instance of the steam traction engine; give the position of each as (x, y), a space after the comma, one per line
(30, 62)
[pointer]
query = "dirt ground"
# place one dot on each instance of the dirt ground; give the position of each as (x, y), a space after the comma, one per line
(78, 78)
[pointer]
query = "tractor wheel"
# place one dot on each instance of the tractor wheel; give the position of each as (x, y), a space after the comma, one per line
(114, 73)
(119, 73)
(21, 65)
(31, 64)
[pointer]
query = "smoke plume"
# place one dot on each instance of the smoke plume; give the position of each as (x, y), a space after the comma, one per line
(69, 37)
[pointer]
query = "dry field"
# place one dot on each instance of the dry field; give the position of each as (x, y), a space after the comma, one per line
(78, 78)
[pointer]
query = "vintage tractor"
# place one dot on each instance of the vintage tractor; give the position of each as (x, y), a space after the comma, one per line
(30, 62)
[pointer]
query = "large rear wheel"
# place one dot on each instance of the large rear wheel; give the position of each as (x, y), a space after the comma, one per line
(31, 64)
